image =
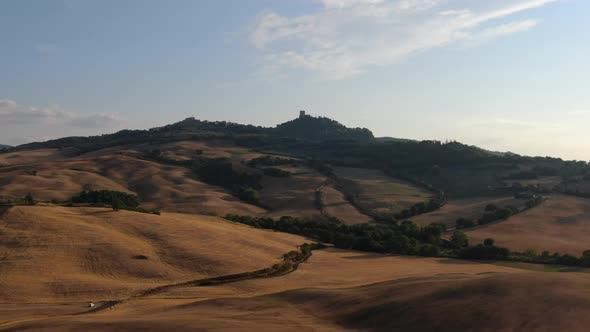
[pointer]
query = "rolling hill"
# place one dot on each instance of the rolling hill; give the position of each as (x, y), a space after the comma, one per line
(80, 254)
(561, 224)
(311, 177)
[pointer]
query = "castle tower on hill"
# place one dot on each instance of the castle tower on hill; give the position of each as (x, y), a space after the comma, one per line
(302, 114)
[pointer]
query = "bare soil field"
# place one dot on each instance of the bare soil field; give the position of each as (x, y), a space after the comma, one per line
(335, 205)
(294, 195)
(470, 208)
(561, 224)
(377, 192)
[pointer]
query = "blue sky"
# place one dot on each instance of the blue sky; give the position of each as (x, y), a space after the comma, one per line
(508, 75)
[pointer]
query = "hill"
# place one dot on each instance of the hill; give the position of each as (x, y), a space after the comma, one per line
(81, 254)
(456, 169)
(561, 224)
(348, 291)
(3, 146)
(468, 208)
(159, 186)
(377, 194)
(320, 129)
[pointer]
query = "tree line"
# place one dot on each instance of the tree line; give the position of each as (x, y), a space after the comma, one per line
(405, 238)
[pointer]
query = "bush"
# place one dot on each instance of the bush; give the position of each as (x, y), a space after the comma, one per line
(383, 238)
(276, 172)
(271, 161)
(428, 250)
(115, 199)
(464, 223)
(249, 195)
(485, 252)
(421, 208)
(495, 214)
(491, 208)
(459, 240)
(29, 200)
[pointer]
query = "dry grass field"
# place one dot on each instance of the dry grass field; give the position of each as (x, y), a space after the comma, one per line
(471, 208)
(165, 187)
(53, 260)
(26, 157)
(561, 224)
(487, 302)
(384, 294)
(334, 269)
(81, 254)
(336, 205)
(379, 193)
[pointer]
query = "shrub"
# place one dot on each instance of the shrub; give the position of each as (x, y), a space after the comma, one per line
(495, 215)
(270, 161)
(276, 172)
(429, 250)
(485, 252)
(491, 208)
(29, 200)
(459, 240)
(115, 199)
(464, 223)
(249, 195)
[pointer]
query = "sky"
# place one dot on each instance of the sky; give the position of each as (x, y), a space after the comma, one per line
(505, 75)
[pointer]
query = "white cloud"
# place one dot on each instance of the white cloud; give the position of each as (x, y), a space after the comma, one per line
(509, 28)
(345, 37)
(22, 123)
(14, 114)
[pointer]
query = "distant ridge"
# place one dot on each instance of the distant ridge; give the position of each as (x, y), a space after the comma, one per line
(305, 127)
(393, 139)
(3, 146)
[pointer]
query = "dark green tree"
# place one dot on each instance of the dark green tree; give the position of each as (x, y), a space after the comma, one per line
(459, 240)
(29, 200)
(488, 242)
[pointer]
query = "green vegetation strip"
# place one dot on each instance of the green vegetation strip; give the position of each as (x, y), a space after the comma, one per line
(405, 238)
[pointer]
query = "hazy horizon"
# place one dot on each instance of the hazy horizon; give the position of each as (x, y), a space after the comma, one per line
(505, 75)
